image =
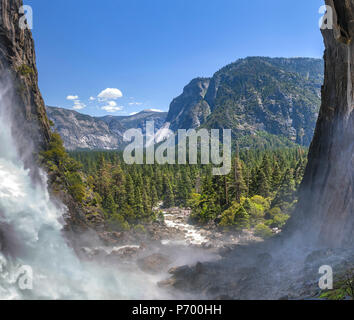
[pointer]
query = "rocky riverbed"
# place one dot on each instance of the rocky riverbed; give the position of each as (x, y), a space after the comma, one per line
(165, 246)
(177, 259)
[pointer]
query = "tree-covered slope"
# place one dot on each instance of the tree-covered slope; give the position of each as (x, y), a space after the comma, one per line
(277, 96)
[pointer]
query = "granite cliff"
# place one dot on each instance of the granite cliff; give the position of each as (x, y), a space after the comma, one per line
(326, 197)
(80, 131)
(19, 80)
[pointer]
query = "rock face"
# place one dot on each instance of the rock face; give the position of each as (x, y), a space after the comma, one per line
(326, 197)
(81, 131)
(19, 82)
(190, 110)
(277, 96)
(21, 101)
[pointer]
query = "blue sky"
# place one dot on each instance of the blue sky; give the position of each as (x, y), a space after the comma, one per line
(148, 50)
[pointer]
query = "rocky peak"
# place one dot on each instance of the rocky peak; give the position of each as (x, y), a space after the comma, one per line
(198, 86)
(190, 110)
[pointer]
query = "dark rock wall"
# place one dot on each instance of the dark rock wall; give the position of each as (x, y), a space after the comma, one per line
(22, 101)
(18, 74)
(326, 208)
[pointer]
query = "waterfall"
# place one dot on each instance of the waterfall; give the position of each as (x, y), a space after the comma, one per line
(32, 247)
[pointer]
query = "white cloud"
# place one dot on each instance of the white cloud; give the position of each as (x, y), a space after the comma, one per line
(78, 105)
(92, 99)
(72, 97)
(155, 110)
(135, 103)
(110, 94)
(133, 113)
(111, 107)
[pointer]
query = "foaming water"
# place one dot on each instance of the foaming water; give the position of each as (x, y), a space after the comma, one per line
(31, 236)
(192, 234)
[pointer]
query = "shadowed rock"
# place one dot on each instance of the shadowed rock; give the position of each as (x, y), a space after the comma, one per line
(326, 210)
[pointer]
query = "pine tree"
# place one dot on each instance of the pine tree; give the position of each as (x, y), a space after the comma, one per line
(277, 176)
(238, 175)
(130, 190)
(169, 198)
(241, 219)
(154, 196)
(262, 184)
(109, 204)
(287, 189)
(146, 204)
(138, 205)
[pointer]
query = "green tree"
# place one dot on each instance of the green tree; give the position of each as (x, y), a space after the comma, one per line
(241, 219)
(169, 198)
(286, 191)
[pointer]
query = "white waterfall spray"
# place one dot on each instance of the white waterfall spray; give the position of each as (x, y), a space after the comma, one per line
(31, 236)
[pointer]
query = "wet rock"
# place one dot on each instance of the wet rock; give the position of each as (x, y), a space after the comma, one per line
(123, 254)
(264, 259)
(224, 297)
(154, 263)
(190, 279)
(207, 245)
(317, 256)
(199, 268)
(93, 253)
(168, 283)
(109, 238)
(179, 270)
(325, 207)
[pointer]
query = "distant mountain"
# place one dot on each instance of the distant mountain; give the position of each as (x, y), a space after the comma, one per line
(265, 101)
(256, 97)
(80, 131)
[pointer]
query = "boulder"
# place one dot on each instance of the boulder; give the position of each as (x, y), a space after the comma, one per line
(154, 263)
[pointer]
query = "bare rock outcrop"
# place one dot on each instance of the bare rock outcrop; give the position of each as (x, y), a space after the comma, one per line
(21, 101)
(19, 82)
(326, 208)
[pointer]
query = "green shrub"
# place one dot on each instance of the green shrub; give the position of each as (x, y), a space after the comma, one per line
(139, 228)
(117, 222)
(263, 231)
(280, 220)
(25, 70)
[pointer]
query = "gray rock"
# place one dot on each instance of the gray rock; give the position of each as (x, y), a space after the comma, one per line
(326, 209)
(155, 263)
(80, 131)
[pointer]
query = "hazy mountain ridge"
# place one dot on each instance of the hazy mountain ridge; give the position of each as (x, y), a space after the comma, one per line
(80, 131)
